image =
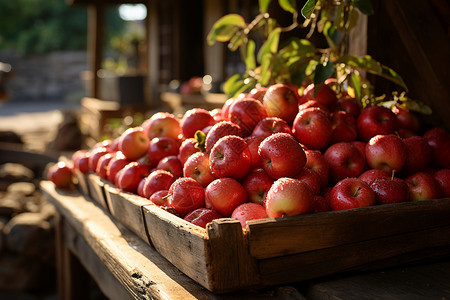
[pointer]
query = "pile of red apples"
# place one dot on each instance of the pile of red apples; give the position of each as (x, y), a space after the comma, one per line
(273, 153)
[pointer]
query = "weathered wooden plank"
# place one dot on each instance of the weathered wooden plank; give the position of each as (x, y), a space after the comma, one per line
(143, 272)
(107, 283)
(355, 256)
(424, 281)
(97, 188)
(127, 208)
(276, 237)
(181, 243)
(230, 265)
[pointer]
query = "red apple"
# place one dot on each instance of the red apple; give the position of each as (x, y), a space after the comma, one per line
(423, 186)
(351, 193)
(325, 94)
(80, 160)
(226, 108)
(311, 178)
(157, 181)
(102, 164)
(134, 143)
(160, 148)
(439, 140)
(418, 155)
(343, 126)
(316, 162)
(282, 102)
(129, 177)
(216, 113)
(375, 120)
(220, 130)
(247, 113)
(195, 119)
(230, 157)
(171, 164)
(257, 183)
(344, 160)
(370, 175)
(185, 195)
(406, 119)
(443, 178)
(117, 163)
(312, 128)
(249, 211)
(159, 198)
(288, 197)
(198, 167)
(390, 190)
(386, 152)
(253, 143)
(187, 148)
(162, 124)
(314, 104)
(320, 204)
(281, 155)
(257, 93)
(61, 175)
(224, 195)
(202, 216)
(95, 155)
(347, 104)
(271, 125)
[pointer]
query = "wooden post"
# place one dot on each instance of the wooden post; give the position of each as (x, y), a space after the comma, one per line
(95, 44)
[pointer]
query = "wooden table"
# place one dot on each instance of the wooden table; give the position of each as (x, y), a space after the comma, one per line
(125, 267)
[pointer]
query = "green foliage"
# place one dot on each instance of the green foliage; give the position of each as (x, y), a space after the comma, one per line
(297, 60)
(41, 26)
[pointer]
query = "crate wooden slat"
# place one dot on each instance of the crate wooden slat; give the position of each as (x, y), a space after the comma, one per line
(127, 208)
(269, 238)
(97, 190)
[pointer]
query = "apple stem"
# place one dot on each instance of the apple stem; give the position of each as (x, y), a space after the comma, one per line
(356, 192)
(393, 174)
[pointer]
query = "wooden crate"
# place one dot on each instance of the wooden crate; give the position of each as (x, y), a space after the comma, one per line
(224, 258)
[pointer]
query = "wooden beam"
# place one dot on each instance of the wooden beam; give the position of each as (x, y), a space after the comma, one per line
(96, 18)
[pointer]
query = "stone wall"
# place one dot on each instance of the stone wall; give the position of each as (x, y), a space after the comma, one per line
(53, 76)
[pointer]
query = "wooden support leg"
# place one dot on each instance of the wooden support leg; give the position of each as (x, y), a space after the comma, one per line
(72, 278)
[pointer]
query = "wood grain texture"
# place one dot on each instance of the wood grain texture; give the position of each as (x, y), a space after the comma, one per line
(230, 265)
(181, 243)
(278, 237)
(127, 208)
(97, 188)
(390, 251)
(143, 272)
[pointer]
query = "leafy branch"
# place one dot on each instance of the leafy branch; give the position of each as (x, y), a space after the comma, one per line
(297, 60)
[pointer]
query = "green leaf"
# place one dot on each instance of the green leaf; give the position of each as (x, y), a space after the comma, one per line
(200, 136)
(266, 73)
(418, 107)
(332, 35)
(322, 73)
(374, 67)
(356, 81)
(364, 6)
(233, 84)
(250, 62)
(308, 8)
(271, 44)
(288, 5)
(264, 5)
(225, 28)
(236, 41)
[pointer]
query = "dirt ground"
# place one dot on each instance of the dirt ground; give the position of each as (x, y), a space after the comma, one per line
(36, 123)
